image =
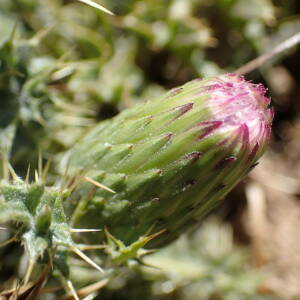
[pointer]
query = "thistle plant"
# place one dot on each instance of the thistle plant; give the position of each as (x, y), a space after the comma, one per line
(144, 177)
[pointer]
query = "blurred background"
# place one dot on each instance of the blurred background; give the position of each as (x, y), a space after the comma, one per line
(65, 66)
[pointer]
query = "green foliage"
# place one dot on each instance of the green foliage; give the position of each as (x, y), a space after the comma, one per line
(30, 207)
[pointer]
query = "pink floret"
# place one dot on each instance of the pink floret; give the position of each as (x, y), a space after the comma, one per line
(243, 105)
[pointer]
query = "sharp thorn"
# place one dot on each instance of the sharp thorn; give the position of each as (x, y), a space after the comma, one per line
(91, 247)
(72, 290)
(7, 242)
(13, 173)
(29, 271)
(40, 163)
(87, 290)
(11, 240)
(36, 176)
(96, 183)
(114, 240)
(79, 230)
(27, 175)
(93, 287)
(154, 235)
(87, 259)
(39, 36)
(147, 265)
(98, 6)
(5, 171)
(46, 169)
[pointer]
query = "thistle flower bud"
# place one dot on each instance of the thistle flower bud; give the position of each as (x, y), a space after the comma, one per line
(171, 160)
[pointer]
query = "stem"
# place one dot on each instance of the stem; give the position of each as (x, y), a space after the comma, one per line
(259, 61)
